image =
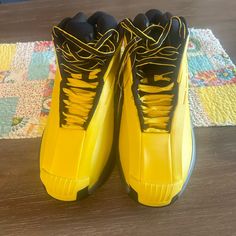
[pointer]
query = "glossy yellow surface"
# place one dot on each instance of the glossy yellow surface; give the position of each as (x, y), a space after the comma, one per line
(72, 159)
(156, 164)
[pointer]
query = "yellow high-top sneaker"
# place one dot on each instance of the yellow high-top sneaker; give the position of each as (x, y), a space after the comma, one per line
(75, 155)
(156, 142)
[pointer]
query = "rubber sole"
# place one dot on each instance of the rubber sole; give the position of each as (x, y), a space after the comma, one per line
(134, 195)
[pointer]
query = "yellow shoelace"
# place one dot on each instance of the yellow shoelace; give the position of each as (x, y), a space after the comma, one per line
(81, 66)
(156, 102)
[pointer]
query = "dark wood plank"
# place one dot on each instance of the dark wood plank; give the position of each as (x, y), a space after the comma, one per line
(208, 207)
(33, 20)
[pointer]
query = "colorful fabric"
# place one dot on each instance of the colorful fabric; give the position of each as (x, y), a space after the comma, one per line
(212, 75)
(27, 73)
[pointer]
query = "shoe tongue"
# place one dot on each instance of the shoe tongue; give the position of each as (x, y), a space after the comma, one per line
(165, 18)
(153, 16)
(87, 30)
(141, 21)
(102, 22)
(80, 28)
(156, 17)
(174, 37)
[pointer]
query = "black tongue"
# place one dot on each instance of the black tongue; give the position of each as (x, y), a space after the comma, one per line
(80, 28)
(87, 30)
(165, 18)
(141, 21)
(175, 36)
(154, 16)
(157, 17)
(102, 22)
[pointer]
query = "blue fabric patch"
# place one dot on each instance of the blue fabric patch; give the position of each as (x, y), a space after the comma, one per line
(198, 64)
(7, 111)
(39, 65)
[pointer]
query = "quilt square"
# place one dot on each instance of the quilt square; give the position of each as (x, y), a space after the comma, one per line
(217, 104)
(20, 63)
(40, 65)
(198, 64)
(7, 52)
(7, 111)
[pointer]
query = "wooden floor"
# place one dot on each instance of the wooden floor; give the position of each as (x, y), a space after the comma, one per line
(208, 206)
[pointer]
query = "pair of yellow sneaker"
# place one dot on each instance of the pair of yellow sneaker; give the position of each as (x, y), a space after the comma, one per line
(119, 89)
